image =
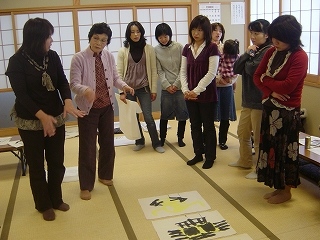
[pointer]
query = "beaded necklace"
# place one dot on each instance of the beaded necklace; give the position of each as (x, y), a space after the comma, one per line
(46, 79)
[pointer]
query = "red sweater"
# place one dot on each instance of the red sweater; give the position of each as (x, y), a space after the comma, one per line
(289, 80)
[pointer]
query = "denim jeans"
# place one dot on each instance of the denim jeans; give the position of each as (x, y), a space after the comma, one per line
(144, 97)
(173, 106)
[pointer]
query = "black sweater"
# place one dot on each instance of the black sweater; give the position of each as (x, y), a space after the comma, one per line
(26, 83)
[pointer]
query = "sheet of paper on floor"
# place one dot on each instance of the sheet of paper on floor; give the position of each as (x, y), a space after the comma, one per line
(71, 174)
(202, 225)
(157, 122)
(122, 141)
(173, 204)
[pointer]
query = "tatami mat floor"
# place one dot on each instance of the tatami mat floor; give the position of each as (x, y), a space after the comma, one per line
(114, 213)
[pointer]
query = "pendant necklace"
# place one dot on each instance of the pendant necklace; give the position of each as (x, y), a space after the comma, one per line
(46, 79)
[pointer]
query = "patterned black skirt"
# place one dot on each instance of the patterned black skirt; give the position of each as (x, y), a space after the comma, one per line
(278, 162)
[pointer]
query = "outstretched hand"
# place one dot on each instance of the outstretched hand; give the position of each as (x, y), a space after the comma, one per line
(69, 108)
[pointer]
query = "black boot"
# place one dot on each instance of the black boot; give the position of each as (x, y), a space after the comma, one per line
(181, 142)
(163, 131)
(196, 159)
(223, 133)
(223, 146)
(180, 133)
(207, 164)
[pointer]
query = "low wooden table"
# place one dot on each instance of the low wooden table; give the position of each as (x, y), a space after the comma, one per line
(306, 154)
(17, 151)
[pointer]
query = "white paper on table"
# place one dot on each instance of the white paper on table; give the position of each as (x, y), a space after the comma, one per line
(315, 141)
(4, 140)
(16, 144)
(116, 125)
(128, 118)
(315, 150)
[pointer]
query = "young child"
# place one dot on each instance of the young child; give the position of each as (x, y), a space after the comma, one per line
(228, 57)
(226, 80)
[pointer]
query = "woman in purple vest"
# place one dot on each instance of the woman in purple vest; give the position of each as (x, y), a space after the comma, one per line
(199, 65)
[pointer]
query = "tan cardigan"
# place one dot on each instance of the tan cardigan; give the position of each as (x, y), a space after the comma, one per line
(122, 65)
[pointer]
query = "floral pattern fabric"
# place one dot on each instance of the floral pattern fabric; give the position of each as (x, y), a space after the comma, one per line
(278, 162)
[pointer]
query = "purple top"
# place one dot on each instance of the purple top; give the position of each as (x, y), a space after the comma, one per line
(198, 67)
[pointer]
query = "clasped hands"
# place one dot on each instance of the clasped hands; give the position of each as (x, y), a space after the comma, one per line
(172, 89)
(223, 81)
(190, 95)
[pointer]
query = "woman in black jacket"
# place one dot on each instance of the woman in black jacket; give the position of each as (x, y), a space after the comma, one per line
(251, 113)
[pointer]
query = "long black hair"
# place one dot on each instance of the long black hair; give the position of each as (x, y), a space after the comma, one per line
(128, 41)
(35, 33)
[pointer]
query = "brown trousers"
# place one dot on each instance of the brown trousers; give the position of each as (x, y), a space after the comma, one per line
(101, 120)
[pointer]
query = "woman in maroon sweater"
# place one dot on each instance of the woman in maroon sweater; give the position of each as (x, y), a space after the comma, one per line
(280, 77)
(199, 65)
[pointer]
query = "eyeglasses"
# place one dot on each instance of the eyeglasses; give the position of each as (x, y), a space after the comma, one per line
(97, 39)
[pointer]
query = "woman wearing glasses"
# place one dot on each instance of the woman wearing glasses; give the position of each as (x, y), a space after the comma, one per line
(93, 75)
